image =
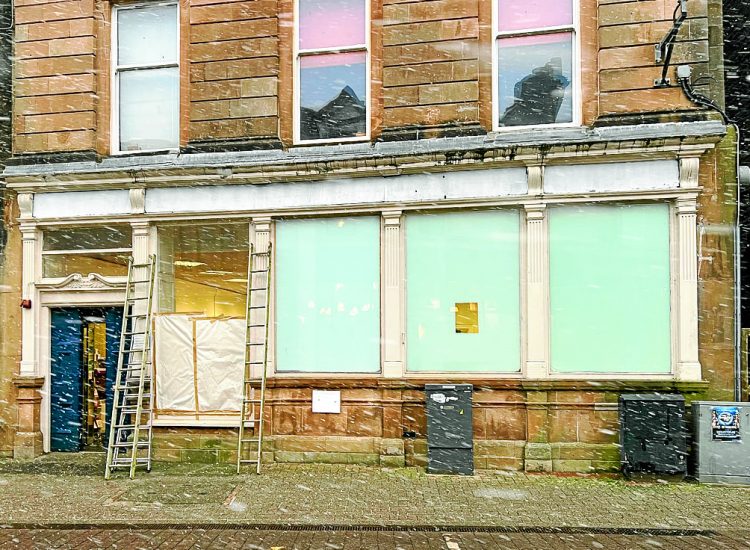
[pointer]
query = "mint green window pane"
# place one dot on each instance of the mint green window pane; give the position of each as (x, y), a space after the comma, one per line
(328, 295)
(461, 258)
(610, 288)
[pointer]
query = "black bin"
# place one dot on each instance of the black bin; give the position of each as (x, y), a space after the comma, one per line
(653, 437)
(450, 441)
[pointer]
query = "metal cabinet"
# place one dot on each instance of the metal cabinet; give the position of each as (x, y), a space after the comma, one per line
(450, 435)
(652, 433)
(722, 436)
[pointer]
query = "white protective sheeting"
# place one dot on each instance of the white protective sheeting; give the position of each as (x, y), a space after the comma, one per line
(219, 360)
(175, 381)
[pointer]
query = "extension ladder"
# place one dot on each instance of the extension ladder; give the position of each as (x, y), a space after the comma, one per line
(132, 406)
(249, 445)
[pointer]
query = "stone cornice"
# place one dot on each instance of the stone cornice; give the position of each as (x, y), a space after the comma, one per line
(499, 149)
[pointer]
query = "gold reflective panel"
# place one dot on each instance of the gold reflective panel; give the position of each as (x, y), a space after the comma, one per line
(467, 318)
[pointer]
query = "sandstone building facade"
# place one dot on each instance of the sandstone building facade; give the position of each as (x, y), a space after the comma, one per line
(492, 192)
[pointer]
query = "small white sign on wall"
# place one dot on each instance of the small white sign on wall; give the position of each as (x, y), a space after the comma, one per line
(325, 401)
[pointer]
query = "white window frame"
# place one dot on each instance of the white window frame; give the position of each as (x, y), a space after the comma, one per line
(573, 28)
(117, 69)
(299, 53)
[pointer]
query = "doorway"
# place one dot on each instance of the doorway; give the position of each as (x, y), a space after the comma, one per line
(84, 347)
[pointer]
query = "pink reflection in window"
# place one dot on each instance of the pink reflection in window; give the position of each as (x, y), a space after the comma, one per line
(332, 59)
(513, 15)
(331, 23)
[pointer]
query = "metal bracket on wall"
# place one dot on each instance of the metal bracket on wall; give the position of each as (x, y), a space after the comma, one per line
(663, 50)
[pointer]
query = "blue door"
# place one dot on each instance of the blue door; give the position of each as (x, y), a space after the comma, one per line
(67, 401)
(66, 382)
(113, 318)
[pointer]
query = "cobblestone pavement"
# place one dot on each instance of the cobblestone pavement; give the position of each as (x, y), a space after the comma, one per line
(350, 540)
(69, 490)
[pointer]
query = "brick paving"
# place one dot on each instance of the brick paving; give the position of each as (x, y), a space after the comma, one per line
(322, 506)
(348, 540)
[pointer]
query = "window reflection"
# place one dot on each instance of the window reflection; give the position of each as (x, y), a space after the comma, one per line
(535, 79)
(333, 95)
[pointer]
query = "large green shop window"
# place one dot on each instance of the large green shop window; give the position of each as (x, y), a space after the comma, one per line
(610, 288)
(462, 283)
(328, 295)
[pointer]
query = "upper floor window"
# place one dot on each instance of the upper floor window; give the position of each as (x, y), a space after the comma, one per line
(332, 70)
(146, 78)
(535, 62)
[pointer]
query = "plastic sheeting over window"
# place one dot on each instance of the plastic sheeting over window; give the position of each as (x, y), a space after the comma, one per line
(610, 288)
(198, 365)
(328, 295)
(456, 262)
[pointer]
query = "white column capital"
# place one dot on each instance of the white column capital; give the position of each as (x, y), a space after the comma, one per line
(262, 224)
(687, 206)
(392, 217)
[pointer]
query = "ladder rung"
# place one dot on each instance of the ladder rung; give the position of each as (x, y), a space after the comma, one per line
(253, 362)
(251, 440)
(256, 343)
(259, 271)
(248, 461)
(252, 288)
(257, 307)
(137, 281)
(128, 461)
(130, 444)
(256, 325)
(134, 298)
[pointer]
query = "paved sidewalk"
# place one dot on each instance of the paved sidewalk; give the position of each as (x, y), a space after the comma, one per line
(70, 490)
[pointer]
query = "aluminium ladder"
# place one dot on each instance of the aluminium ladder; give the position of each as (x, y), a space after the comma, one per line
(249, 445)
(132, 406)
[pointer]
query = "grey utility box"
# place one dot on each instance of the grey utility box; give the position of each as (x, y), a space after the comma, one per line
(722, 442)
(450, 435)
(652, 433)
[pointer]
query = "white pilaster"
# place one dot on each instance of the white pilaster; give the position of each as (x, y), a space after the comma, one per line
(30, 314)
(141, 251)
(393, 312)
(687, 366)
(260, 236)
(537, 296)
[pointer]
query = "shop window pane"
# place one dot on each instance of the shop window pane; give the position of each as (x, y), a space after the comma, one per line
(462, 284)
(147, 36)
(331, 23)
(87, 238)
(106, 264)
(609, 289)
(332, 95)
(513, 15)
(149, 107)
(203, 269)
(328, 295)
(535, 79)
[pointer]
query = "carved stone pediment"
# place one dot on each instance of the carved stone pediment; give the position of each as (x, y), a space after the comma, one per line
(76, 281)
